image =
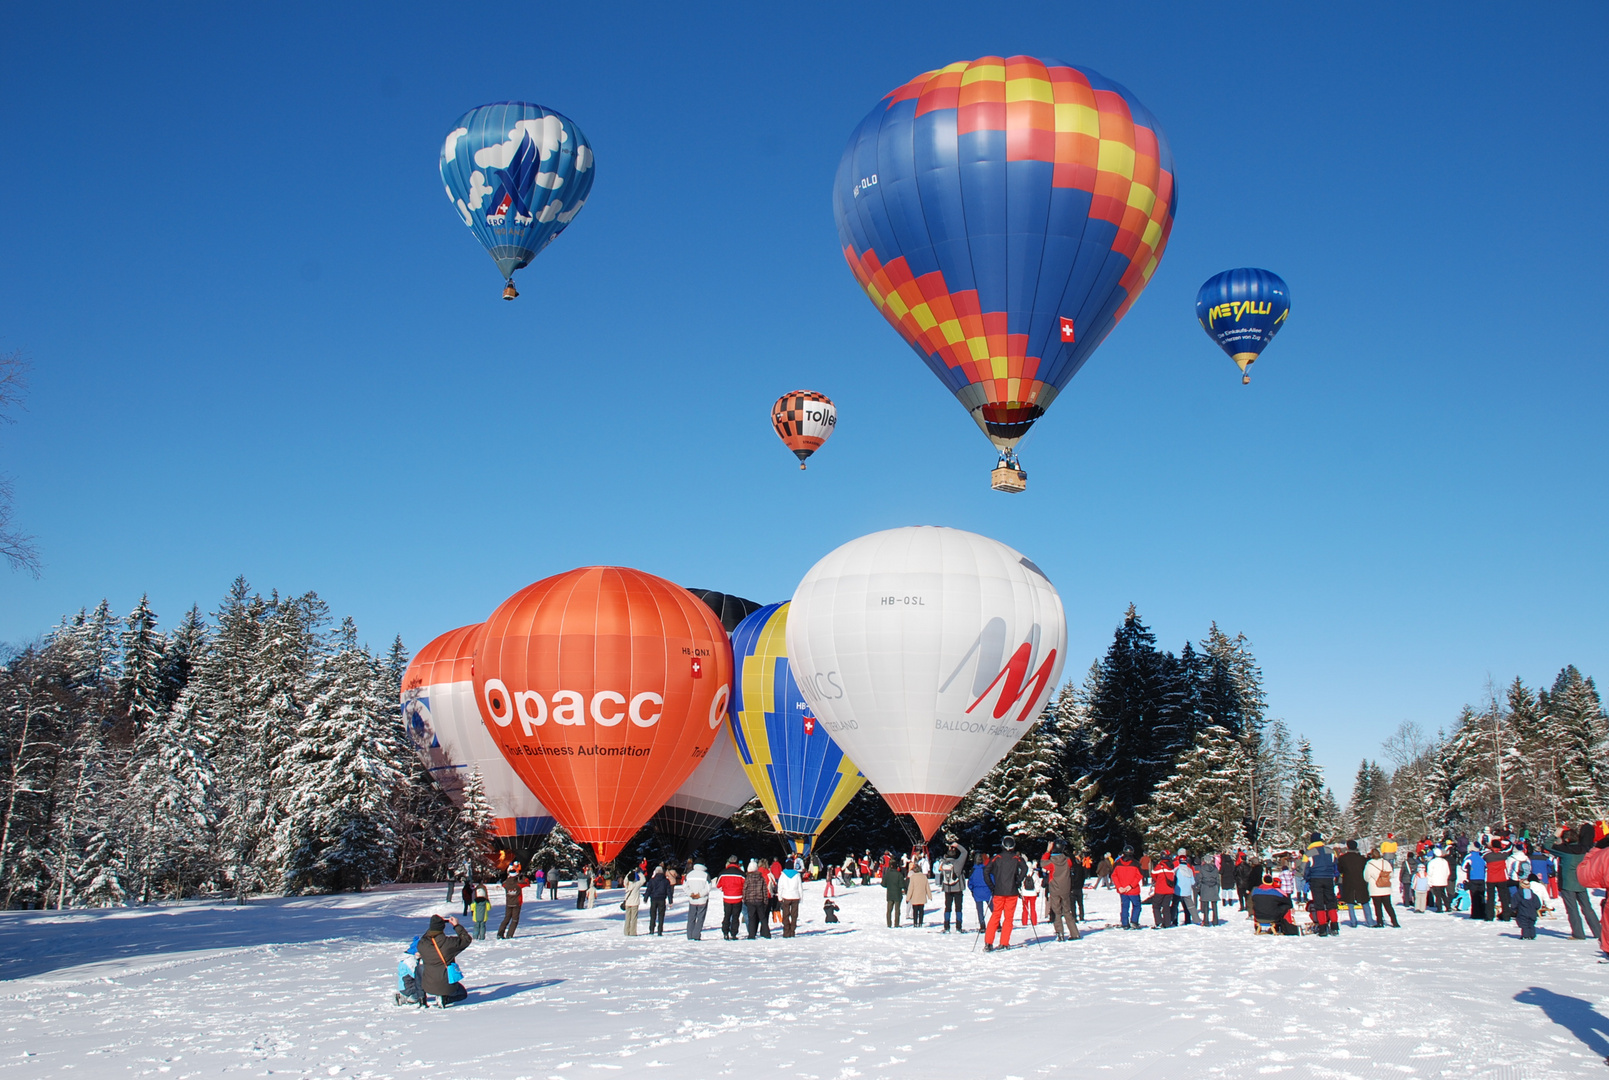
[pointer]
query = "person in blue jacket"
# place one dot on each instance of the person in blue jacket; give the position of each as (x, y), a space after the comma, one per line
(1475, 869)
(982, 895)
(1321, 875)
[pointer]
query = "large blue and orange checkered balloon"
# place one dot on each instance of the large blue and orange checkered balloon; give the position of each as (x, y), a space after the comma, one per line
(1003, 215)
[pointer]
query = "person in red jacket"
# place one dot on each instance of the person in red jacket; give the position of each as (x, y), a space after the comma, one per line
(730, 886)
(1126, 880)
(1496, 858)
(1162, 893)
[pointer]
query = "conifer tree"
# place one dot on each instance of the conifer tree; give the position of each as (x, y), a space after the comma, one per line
(1306, 813)
(1275, 766)
(35, 724)
(1580, 747)
(170, 795)
(185, 647)
(1201, 806)
(139, 684)
(1232, 692)
(338, 774)
(476, 825)
(1030, 797)
(1126, 761)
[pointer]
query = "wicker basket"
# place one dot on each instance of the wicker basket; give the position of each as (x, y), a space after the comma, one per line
(1005, 478)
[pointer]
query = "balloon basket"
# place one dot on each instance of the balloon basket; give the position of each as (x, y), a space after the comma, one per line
(1008, 478)
(509, 291)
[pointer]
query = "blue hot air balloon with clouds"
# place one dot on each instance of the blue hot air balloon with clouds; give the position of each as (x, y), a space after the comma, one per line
(517, 174)
(1242, 310)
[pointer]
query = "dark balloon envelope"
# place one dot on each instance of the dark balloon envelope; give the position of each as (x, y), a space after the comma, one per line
(730, 609)
(1003, 214)
(1242, 310)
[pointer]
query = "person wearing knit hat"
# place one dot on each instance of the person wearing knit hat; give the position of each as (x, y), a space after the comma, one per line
(436, 953)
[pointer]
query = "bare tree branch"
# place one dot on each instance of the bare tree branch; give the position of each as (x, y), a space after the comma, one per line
(16, 547)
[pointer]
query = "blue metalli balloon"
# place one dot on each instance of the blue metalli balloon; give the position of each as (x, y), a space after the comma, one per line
(1242, 310)
(517, 174)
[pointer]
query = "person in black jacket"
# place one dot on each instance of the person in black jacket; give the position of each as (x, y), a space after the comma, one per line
(1248, 876)
(1354, 890)
(1005, 876)
(1078, 874)
(659, 890)
(436, 951)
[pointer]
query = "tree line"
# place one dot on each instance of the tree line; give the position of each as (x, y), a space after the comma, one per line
(258, 750)
(261, 749)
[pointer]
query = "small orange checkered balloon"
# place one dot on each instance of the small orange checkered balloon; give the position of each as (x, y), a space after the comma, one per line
(804, 420)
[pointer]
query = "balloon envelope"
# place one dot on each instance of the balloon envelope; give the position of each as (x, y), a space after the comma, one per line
(1003, 214)
(926, 653)
(442, 722)
(717, 789)
(517, 174)
(731, 610)
(1242, 310)
(804, 419)
(604, 687)
(800, 773)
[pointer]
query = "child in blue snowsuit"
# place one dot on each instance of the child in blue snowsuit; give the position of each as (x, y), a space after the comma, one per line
(407, 992)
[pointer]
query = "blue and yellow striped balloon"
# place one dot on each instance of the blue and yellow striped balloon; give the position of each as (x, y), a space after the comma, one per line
(800, 774)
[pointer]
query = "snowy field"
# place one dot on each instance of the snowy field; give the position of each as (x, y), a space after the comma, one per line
(303, 988)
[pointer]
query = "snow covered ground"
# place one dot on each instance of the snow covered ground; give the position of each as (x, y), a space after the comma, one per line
(303, 987)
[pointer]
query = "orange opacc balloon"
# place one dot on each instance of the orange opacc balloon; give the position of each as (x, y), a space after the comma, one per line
(604, 687)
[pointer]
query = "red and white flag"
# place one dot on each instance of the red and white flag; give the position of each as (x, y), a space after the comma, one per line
(698, 668)
(1066, 328)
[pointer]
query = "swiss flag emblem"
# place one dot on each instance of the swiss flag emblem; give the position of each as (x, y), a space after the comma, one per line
(809, 724)
(1066, 328)
(698, 668)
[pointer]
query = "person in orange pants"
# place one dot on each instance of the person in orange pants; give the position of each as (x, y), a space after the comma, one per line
(1005, 876)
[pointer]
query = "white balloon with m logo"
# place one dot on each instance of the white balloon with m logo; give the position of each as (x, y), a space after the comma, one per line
(927, 653)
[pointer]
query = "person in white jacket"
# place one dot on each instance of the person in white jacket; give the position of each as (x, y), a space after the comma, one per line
(1375, 871)
(790, 888)
(698, 901)
(1440, 873)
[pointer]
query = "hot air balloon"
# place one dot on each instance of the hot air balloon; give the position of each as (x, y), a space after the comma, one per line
(719, 787)
(517, 174)
(926, 653)
(442, 722)
(604, 687)
(804, 420)
(731, 610)
(1003, 215)
(801, 775)
(1242, 310)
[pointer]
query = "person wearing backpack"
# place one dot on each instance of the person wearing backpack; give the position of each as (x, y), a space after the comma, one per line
(953, 881)
(1571, 849)
(1381, 876)
(438, 967)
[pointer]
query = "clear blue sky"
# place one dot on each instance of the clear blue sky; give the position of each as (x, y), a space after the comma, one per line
(264, 344)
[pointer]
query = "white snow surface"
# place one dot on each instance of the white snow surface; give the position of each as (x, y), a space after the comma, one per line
(302, 986)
